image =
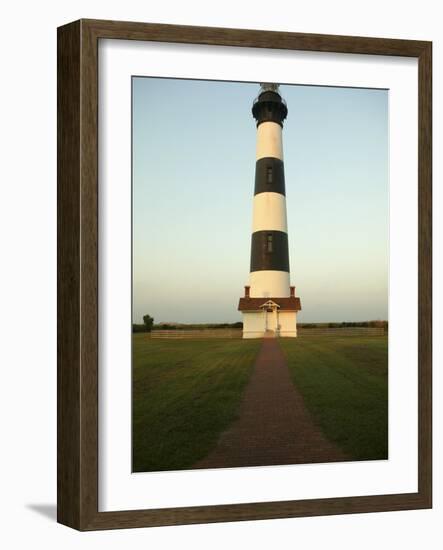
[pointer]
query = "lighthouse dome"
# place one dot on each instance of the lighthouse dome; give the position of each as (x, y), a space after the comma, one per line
(269, 106)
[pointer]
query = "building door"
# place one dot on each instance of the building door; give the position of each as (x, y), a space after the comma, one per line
(270, 311)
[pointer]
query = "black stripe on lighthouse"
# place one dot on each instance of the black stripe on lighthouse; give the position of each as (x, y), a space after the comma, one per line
(269, 176)
(269, 251)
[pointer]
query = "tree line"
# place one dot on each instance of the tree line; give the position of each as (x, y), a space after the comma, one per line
(345, 324)
(149, 325)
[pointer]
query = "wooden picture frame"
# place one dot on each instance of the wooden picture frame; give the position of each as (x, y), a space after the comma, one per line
(77, 480)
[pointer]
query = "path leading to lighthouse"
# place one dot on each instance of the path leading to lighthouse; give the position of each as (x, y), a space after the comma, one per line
(274, 426)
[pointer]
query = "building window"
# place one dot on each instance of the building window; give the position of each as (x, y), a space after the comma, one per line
(269, 174)
(269, 243)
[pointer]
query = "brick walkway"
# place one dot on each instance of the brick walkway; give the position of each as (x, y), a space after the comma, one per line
(274, 426)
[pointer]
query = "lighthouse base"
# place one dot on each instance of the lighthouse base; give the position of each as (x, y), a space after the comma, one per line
(266, 323)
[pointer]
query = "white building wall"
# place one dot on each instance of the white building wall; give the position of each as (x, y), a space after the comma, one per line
(283, 323)
(288, 323)
(253, 324)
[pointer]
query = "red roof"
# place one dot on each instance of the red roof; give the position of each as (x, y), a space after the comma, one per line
(254, 304)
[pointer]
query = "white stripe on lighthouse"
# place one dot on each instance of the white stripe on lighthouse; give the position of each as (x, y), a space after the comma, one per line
(269, 212)
(269, 140)
(265, 284)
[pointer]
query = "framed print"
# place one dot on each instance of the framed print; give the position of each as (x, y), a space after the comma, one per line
(244, 275)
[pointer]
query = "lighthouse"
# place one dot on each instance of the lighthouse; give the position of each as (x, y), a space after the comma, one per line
(269, 305)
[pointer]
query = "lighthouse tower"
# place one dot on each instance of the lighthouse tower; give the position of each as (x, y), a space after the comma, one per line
(269, 306)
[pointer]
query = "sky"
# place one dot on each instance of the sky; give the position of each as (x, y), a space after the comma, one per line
(193, 184)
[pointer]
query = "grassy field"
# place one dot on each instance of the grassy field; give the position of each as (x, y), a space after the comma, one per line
(185, 393)
(344, 382)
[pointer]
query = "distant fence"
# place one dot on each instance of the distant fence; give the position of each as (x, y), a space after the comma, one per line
(238, 333)
(338, 331)
(197, 333)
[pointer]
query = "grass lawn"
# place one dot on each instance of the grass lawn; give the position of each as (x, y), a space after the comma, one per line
(185, 393)
(344, 382)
